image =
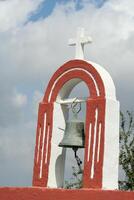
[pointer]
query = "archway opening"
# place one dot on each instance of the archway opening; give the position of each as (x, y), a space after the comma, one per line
(74, 89)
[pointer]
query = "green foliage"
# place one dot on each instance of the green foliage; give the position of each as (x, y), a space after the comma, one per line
(126, 159)
(76, 181)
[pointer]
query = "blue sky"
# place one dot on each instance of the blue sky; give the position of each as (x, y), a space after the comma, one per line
(47, 7)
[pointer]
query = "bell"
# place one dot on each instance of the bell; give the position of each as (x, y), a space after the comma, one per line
(74, 135)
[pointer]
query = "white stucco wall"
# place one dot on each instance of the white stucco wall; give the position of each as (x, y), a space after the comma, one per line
(58, 154)
(111, 148)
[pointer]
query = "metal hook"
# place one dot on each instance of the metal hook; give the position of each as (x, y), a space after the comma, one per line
(73, 106)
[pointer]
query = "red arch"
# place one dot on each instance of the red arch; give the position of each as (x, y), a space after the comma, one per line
(86, 72)
(71, 75)
(76, 64)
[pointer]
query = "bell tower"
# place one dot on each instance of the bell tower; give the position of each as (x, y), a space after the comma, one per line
(101, 135)
(101, 124)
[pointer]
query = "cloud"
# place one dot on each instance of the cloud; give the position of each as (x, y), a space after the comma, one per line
(30, 52)
(19, 99)
(37, 97)
(14, 13)
(16, 154)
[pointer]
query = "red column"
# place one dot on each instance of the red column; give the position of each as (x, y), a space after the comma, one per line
(43, 144)
(94, 143)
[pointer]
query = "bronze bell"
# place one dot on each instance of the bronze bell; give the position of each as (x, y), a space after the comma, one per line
(74, 135)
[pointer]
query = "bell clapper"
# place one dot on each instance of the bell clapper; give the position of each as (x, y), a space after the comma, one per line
(78, 160)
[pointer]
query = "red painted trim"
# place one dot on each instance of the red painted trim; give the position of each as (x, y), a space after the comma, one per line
(71, 75)
(72, 65)
(38, 193)
(96, 181)
(86, 72)
(48, 110)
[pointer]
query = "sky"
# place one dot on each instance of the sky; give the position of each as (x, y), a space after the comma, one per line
(33, 44)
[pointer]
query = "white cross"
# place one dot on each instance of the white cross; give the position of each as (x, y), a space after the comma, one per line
(80, 41)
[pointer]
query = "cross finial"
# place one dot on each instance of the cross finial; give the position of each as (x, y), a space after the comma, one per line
(80, 41)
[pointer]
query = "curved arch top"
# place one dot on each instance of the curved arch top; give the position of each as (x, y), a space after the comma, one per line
(110, 91)
(75, 69)
(102, 108)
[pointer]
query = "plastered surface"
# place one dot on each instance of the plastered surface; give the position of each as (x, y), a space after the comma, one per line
(37, 193)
